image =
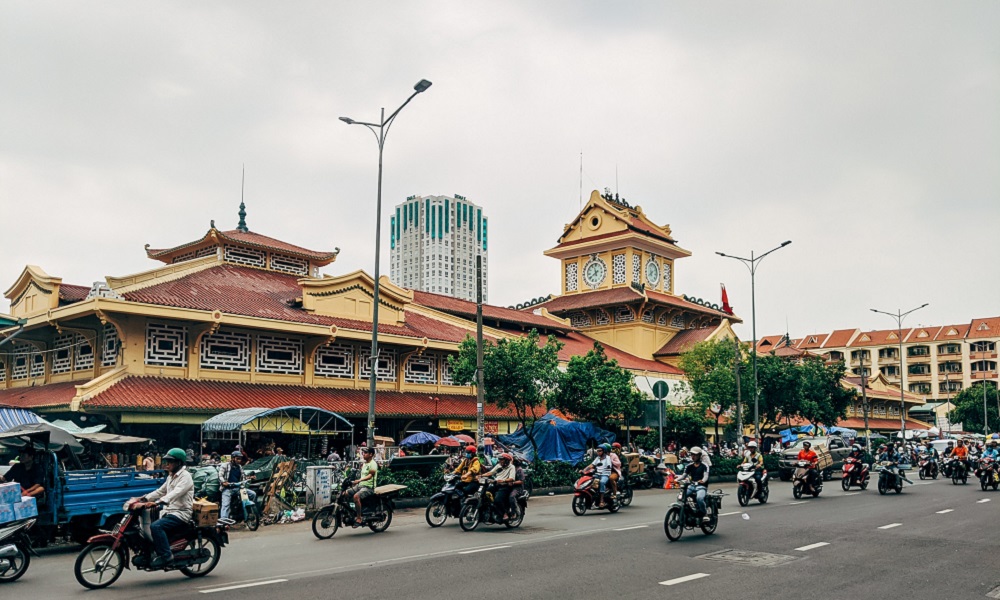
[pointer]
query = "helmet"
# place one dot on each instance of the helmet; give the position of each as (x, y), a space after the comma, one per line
(606, 447)
(616, 445)
(470, 448)
(752, 445)
(176, 454)
(695, 450)
(807, 444)
(506, 456)
(951, 443)
(237, 454)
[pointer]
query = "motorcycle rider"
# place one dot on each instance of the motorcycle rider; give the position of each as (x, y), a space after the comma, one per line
(698, 472)
(888, 454)
(506, 475)
(809, 455)
(176, 496)
(992, 451)
(601, 467)
(751, 455)
(614, 452)
(230, 476)
(961, 453)
(468, 469)
(950, 449)
(364, 486)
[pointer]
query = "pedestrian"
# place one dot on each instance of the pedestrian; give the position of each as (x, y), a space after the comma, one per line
(148, 464)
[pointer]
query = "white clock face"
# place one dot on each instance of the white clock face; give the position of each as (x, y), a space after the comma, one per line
(594, 272)
(652, 272)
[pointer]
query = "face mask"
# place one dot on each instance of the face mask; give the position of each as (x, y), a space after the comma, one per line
(469, 455)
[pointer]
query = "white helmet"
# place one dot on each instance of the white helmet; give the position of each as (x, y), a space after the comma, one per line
(695, 450)
(752, 445)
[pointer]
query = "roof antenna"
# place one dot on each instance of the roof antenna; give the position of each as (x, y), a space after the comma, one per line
(242, 225)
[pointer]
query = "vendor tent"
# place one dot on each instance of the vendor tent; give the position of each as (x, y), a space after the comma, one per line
(557, 439)
(12, 417)
(301, 420)
(57, 438)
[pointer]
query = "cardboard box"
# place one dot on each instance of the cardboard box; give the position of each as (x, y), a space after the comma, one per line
(825, 458)
(10, 492)
(27, 508)
(206, 514)
(6, 513)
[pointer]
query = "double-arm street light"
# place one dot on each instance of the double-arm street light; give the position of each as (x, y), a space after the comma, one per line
(751, 264)
(381, 130)
(899, 316)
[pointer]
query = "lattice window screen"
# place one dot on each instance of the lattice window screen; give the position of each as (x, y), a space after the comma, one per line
(37, 365)
(667, 279)
(677, 321)
(225, 351)
(279, 355)
(245, 256)
(289, 264)
(335, 360)
(3, 370)
(603, 318)
(618, 268)
(62, 357)
(662, 320)
(572, 277)
(421, 369)
(84, 356)
(20, 359)
(647, 315)
(580, 320)
(386, 369)
(636, 268)
(166, 345)
(624, 314)
(447, 372)
(109, 350)
(209, 251)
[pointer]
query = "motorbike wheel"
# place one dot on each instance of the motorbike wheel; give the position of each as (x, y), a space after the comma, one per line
(380, 526)
(882, 487)
(996, 484)
(627, 497)
(864, 484)
(214, 554)
(12, 568)
(253, 519)
(764, 493)
(816, 492)
(965, 479)
(983, 484)
(845, 483)
(436, 513)
(797, 491)
(934, 474)
(87, 570)
(921, 475)
(673, 524)
(743, 496)
(579, 505)
(325, 523)
(899, 487)
(955, 479)
(612, 505)
(647, 483)
(517, 519)
(709, 528)
(469, 517)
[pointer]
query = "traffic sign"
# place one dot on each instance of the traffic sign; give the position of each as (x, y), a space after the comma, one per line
(660, 390)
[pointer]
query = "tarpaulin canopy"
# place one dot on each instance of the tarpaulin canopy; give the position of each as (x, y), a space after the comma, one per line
(419, 438)
(285, 419)
(557, 439)
(12, 417)
(111, 438)
(55, 439)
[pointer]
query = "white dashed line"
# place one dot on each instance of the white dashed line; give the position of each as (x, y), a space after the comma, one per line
(484, 549)
(813, 546)
(945, 511)
(983, 500)
(684, 579)
(852, 494)
(731, 513)
(242, 586)
(794, 503)
(890, 526)
(632, 527)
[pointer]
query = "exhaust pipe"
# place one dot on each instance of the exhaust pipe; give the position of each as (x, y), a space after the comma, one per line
(9, 551)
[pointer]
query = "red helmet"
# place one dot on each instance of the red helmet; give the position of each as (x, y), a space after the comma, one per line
(616, 445)
(506, 456)
(471, 449)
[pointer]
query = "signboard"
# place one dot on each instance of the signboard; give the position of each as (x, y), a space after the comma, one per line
(456, 424)
(491, 427)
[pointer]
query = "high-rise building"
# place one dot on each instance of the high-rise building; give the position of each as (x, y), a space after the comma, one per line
(434, 242)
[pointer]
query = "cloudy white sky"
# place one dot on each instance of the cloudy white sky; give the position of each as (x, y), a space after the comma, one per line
(867, 133)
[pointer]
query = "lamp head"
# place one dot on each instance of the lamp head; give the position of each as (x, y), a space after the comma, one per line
(347, 120)
(785, 243)
(422, 86)
(720, 253)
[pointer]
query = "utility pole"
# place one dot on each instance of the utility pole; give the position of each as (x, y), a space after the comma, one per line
(739, 401)
(864, 402)
(479, 349)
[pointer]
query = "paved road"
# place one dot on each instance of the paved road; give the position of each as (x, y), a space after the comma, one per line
(933, 541)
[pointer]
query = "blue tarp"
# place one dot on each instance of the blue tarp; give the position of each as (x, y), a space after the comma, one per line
(12, 417)
(557, 439)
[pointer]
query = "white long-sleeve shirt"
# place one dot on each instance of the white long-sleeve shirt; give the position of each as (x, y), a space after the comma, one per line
(177, 494)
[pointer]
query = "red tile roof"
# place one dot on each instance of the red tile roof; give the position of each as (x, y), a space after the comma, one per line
(577, 344)
(249, 238)
(881, 337)
(637, 224)
(69, 293)
(960, 332)
(185, 395)
(814, 340)
(858, 424)
(466, 309)
(985, 328)
(684, 340)
(623, 295)
(855, 382)
(678, 301)
(42, 396)
(768, 342)
(932, 332)
(603, 236)
(839, 338)
(256, 293)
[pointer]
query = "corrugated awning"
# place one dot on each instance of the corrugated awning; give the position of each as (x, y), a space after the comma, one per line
(12, 417)
(277, 419)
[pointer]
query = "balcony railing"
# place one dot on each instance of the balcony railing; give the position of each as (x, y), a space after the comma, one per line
(984, 375)
(983, 355)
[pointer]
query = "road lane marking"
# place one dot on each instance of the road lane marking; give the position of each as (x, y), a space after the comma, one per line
(812, 546)
(945, 511)
(483, 549)
(794, 503)
(890, 526)
(731, 513)
(684, 579)
(632, 527)
(983, 500)
(851, 494)
(241, 586)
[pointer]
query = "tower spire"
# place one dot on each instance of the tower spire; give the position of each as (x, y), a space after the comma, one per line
(242, 225)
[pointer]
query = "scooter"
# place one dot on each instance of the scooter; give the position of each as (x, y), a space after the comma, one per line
(586, 493)
(855, 473)
(246, 510)
(749, 490)
(928, 467)
(376, 512)
(987, 474)
(446, 503)
(959, 471)
(800, 480)
(890, 477)
(481, 507)
(196, 549)
(684, 514)
(15, 549)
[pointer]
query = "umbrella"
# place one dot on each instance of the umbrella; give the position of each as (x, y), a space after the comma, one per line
(465, 438)
(58, 438)
(419, 438)
(451, 441)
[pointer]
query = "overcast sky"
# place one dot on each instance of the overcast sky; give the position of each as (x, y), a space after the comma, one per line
(867, 133)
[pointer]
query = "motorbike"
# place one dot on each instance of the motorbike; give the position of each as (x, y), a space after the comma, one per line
(15, 549)
(684, 514)
(890, 477)
(196, 549)
(855, 473)
(749, 490)
(988, 474)
(376, 510)
(959, 471)
(245, 510)
(446, 503)
(625, 491)
(480, 507)
(587, 492)
(800, 481)
(928, 467)
(644, 478)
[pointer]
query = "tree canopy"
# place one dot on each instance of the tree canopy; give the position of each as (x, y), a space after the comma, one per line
(969, 408)
(595, 388)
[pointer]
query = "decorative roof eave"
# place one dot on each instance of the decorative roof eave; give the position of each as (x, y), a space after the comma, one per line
(32, 274)
(631, 213)
(214, 236)
(164, 274)
(388, 291)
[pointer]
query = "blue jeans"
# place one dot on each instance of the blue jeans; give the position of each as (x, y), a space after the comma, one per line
(229, 495)
(161, 530)
(604, 482)
(699, 492)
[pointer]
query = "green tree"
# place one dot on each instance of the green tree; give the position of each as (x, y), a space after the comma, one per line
(709, 368)
(597, 389)
(969, 408)
(518, 373)
(823, 400)
(779, 384)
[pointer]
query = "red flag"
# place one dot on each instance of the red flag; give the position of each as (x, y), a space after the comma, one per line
(725, 301)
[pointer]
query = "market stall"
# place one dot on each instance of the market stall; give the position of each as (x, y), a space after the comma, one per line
(236, 425)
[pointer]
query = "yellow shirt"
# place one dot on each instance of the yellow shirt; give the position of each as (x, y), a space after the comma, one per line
(469, 469)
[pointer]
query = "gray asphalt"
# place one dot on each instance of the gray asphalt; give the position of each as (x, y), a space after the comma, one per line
(834, 546)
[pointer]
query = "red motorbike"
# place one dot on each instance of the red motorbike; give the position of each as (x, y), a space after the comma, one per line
(196, 549)
(587, 493)
(855, 473)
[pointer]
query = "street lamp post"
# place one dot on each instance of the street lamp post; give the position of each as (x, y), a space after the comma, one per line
(380, 130)
(899, 316)
(751, 264)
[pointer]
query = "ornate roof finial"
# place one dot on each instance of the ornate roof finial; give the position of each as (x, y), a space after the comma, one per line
(242, 225)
